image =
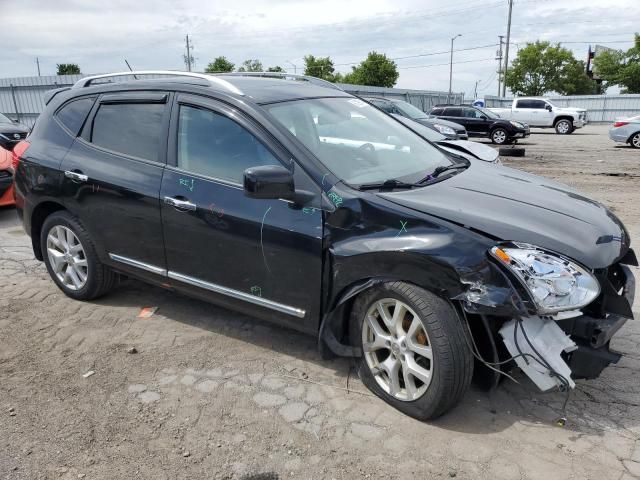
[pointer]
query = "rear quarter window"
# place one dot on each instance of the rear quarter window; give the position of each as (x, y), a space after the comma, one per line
(73, 114)
(133, 129)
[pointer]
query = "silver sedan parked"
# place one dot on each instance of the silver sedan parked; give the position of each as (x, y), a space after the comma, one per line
(626, 131)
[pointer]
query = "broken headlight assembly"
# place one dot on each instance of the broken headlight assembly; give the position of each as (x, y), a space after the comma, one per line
(554, 283)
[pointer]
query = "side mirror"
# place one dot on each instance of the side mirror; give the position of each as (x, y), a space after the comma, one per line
(269, 182)
(549, 107)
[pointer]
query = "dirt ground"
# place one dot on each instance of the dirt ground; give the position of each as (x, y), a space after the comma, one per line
(217, 395)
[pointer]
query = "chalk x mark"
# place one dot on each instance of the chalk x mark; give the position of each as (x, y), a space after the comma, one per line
(261, 242)
(403, 228)
(323, 177)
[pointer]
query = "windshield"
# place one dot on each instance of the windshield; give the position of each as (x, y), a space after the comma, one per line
(409, 110)
(488, 113)
(4, 119)
(356, 141)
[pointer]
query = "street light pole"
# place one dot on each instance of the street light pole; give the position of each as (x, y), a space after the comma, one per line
(451, 68)
(295, 68)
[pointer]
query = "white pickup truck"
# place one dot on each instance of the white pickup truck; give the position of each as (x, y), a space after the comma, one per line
(541, 113)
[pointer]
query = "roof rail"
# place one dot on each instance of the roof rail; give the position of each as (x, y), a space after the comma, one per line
(285, 76)
(213, 80)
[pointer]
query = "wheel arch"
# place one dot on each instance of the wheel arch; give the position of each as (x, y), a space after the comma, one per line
(38, 215)
(563, 117)
(632, 135)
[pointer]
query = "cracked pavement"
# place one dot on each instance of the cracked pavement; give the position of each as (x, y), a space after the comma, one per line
(215, 394)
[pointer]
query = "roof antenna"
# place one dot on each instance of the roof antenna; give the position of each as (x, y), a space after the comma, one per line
(130, 69)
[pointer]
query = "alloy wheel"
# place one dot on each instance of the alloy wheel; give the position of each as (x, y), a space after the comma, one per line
(67, 257)
(635, 141)
(499, 136)
(397, 349)
(563, 126)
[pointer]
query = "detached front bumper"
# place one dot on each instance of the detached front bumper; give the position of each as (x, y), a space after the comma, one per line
(574, 348)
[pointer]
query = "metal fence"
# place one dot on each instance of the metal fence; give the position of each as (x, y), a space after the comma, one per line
(21, 98)
(601, 108)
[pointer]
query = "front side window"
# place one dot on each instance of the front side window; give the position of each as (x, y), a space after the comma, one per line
(539, 104)
(356, 141)
(453, 112)
(472, 113)
(73, 114)
(213, 145)
(133, 129)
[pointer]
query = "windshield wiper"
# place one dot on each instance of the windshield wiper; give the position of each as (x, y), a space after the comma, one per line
(441, 169)
(388, 184)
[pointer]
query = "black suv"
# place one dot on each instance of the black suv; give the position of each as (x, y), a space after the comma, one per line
(481, 122)
(293, 201)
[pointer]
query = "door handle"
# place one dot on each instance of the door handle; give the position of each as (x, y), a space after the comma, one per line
(180, 204)
(76, 176)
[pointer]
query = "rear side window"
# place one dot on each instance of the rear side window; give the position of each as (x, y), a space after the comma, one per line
(133, 129)
(437, 111)
(531, 104)
(73, 114)
(453, 112)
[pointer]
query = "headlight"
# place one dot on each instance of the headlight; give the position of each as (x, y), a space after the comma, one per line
(444, 129)
(555, 283)
(516, 124)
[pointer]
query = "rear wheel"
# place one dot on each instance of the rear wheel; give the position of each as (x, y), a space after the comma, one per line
(499, 136)
(634, 141)
(564, 127)
(71, 258)
(414, 352)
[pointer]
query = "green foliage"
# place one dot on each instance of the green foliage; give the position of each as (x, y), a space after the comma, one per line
(617, 67)
(68, 69)
(320, 67)
(376, 70)
(541, 67)
(219, 64)
(277, 68)
(251, 65)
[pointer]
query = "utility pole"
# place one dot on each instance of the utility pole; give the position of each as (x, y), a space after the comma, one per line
(38, 64)
(475, 90)
(506, 54)
(451, 67)
(499, 58)
(188, 58)
(295, 67)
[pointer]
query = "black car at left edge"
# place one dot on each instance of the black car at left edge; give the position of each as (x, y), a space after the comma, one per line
(481, 122)
(290, 200)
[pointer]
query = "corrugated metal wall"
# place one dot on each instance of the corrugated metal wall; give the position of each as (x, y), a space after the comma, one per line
(29, 93)
(601, 108)
(21, 98)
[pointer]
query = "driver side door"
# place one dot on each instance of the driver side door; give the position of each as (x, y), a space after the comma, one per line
(263, 257)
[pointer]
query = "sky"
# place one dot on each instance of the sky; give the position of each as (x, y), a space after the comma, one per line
(150, 34)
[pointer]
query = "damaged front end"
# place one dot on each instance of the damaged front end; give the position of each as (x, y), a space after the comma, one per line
(563, 315)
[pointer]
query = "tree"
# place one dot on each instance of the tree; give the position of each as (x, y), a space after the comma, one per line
(219, 64)
(541, 67)
(617, 67)
(68, 69)
(277, 68)
(251, 65)
(320, 67)
(376, 70)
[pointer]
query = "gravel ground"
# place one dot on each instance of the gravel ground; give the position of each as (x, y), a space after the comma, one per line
(214, 394)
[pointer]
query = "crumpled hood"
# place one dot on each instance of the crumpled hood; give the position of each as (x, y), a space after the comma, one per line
(478, 150)
(513, 205)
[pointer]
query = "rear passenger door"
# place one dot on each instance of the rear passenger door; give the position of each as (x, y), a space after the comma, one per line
(112, 176)
(238, 251)
(454, 114)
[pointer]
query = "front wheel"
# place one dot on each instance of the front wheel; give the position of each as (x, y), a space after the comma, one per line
(499, 136)
(634, 141)
(564, 127)
(415, 356)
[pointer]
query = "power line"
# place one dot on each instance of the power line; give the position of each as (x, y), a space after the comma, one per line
(441, 64)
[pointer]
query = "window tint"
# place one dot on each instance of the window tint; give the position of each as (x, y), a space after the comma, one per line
(74, 113)
(538, 104)
(523, 104)
(472, 113)
(214, 145)
(437, 111)
(384, 106)
(453, 112)
(130, 128)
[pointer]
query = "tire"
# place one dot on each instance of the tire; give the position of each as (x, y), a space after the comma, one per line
(499, 136)
(564, 127)
(511, 152)
(439, 328)
(77, 271)
(634, 141)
